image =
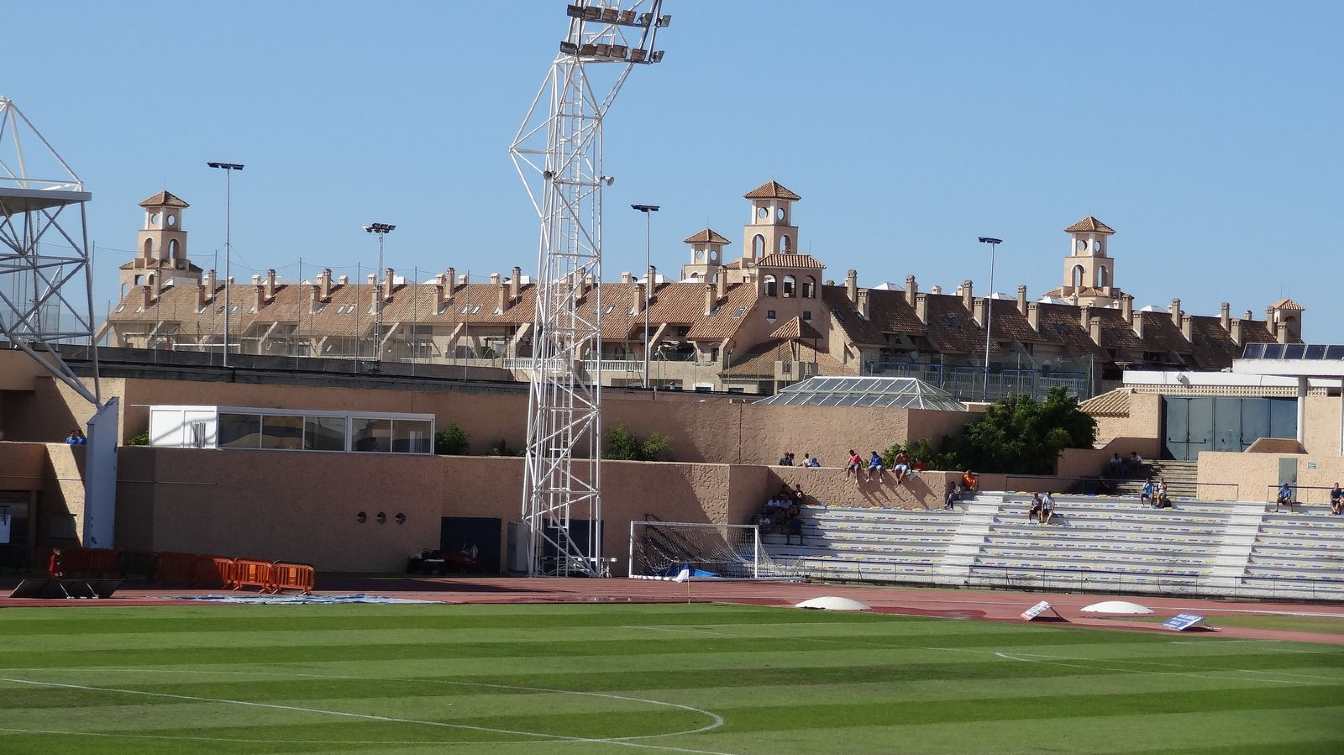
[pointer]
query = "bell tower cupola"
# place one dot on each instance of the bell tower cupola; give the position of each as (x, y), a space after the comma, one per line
(706, 255)
(161, 244)
(1089, 270)
(770, 229)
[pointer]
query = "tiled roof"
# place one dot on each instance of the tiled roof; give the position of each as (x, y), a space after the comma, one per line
(1089, 224)
(771, 190)
(728, 314)
(164, 198)
(707, 236)
(795, 329)
(1286, 303)
(799, 261)
(1162, 335)
(759, 361)
(1109, 404)
(157, 264)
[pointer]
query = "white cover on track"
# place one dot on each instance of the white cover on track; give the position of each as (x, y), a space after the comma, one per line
(832, 603)
(1117, 608)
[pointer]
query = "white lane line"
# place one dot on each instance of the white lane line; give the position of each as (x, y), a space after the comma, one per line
(372, 717)
(1053, 660)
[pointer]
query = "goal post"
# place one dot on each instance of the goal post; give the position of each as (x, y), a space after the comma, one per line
(662, 550)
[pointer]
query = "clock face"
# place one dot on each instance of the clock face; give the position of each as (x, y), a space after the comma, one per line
(1080, 245)
(762, 213)
(713, 256)
(1096, 245)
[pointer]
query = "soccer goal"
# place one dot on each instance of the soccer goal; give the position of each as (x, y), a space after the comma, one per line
(662, 550)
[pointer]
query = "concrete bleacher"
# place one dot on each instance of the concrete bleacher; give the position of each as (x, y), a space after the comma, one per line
(1094, 543)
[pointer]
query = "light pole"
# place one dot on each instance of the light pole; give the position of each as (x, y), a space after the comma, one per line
(989, 304)
(648, 210)
(380, 230)
(228, 169)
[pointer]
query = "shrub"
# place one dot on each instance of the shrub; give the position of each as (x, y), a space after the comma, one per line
(139, 439)
(623, 445)
(451, 441)
(922, 450)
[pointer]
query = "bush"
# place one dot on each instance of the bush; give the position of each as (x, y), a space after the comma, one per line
(1020, 434)
(623, 445)
(139, 439)
(451, 441)
(922, 450)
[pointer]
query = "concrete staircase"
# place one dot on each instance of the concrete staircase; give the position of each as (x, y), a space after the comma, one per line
(1182, 477)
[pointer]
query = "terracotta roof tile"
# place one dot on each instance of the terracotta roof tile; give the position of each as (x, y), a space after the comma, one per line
(795, 329)
(1089, 224)
(798, 261)
(771, 190)
(759, 361)
(707, 236)
(1109, 404)
(164, 198)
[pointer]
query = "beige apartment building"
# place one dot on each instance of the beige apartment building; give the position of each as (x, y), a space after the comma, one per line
(752, 324)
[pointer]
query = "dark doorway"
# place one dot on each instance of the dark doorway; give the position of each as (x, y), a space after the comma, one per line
(578, 531)
(459, 533)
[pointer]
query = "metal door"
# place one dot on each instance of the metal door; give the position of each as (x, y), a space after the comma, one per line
(1288, 471)
(1282, 417)
(1201, 427)
(1176, 427)
(1227, 424)
(1254, 421)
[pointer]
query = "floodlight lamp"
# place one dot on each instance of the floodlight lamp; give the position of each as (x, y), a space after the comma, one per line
(990, 240)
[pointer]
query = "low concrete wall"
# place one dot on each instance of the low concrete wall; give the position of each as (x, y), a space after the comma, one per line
(1255, 476)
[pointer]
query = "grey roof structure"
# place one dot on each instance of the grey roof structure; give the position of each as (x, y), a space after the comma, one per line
(904, 392)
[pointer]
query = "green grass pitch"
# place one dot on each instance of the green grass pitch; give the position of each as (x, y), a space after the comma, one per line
(642, 678)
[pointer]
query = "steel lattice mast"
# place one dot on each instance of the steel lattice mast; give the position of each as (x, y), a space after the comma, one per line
(557, 152)
(46, 287)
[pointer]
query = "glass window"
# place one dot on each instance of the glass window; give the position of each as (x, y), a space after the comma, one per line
(411, 436)
(239, 431)
(324, 433)
(281, 432)
(367, 434)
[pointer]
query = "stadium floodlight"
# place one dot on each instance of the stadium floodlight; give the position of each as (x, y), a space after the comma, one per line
(380, 230)
(989, 304)
(228, 169)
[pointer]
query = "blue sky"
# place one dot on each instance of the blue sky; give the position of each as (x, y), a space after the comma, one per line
(1207, 134)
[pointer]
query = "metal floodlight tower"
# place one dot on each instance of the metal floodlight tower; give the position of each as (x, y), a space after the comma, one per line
(380, 230)
(46, 285)
(557, 152)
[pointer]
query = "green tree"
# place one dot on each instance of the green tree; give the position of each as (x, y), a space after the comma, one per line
(451, 441)
(139, 439)
(1023, 435)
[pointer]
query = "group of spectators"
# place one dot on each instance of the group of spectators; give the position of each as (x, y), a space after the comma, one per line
(1156, 494)
(787, 460)
(1042, 508)
(902, 468)
(76, 438)
(782, 514)
(1124, 466)
(968, 483)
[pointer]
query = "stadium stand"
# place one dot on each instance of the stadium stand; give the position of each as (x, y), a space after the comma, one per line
(1095, 543)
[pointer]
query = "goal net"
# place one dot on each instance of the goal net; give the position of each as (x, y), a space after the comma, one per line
(662, 550)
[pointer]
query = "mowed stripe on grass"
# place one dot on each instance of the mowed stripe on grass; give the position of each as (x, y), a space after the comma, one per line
(750, 679)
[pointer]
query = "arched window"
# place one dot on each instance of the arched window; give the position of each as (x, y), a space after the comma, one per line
(172, 248)
(1101, 277)
(771, 289)
(809, 287)
(695, 276)
(758, 246)
(149, 247)
(790, 286)
(784, 243)
(1077, 276)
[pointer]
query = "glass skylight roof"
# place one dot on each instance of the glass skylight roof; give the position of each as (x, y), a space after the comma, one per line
(904, 392)
(1292, 351)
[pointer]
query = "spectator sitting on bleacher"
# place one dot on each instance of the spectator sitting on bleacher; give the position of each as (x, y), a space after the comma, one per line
(901, 466)
(811, 461)
(786, 460)
(1285, 497)
(953, 493)
(1134, 464)
(1163, 499)
(1115, 467)
(970, 482)
(1034, 512)
(1146, 494)
(1336, 500)
(1047, 508)
(874, 465)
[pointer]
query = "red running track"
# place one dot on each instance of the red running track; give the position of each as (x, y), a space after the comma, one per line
(994, 605)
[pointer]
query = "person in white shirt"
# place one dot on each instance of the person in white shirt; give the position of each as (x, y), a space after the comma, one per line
(1047, 508)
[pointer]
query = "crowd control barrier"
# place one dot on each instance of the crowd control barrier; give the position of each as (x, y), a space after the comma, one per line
(170, 569)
